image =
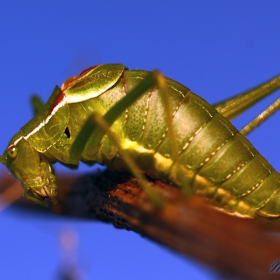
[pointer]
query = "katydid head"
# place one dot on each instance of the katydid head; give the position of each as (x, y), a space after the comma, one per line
(32, 169)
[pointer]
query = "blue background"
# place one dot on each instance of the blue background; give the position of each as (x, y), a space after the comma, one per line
(216, 48)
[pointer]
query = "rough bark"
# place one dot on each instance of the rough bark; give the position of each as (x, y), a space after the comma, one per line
(234, 247)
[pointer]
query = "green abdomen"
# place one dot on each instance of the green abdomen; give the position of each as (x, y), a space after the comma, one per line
(206, 154)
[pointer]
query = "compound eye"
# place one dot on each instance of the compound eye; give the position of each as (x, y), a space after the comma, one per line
(12, 151)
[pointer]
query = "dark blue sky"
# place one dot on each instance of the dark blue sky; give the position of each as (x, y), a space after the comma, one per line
(216, 48)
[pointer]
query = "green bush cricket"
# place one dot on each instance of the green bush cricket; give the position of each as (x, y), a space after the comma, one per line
(142, 122)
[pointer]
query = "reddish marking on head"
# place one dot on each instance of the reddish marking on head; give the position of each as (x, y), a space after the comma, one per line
(58, 100)
(11, 146)
(69, 81)
(87, 70)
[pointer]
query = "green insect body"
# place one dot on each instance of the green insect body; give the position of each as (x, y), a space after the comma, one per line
(211, 157)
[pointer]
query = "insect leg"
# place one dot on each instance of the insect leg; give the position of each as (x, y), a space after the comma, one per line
(36, 103)
(130, 162)
(230, 108)
(165, 97)
(97, 126)
(261, 117)
(88, 130)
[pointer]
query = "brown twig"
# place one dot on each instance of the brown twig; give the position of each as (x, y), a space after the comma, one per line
(235, 247)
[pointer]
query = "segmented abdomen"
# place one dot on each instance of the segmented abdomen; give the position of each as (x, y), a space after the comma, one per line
(212, 157)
